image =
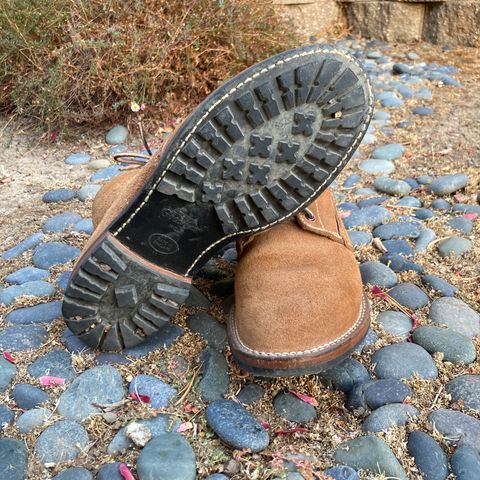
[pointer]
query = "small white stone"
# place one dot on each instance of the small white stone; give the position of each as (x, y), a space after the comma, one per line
(139, 434)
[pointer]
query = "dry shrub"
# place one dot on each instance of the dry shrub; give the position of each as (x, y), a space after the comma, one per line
(65, 61)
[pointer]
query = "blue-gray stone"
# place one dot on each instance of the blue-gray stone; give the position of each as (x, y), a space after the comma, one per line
(359, 238)
(466, 390)
(379, 115)
(368, 139)
(30, 242)
(465, 208)
(422, 111)
(371, 216)
(425, 179)
(405, 124)
(394, 230)
(456, 315)
(109, 471)
(377, 167)
(162, 339)
(72, 343)
(456, 427)
(250, 393)
(111, 358)
(386, 391)
(78, 158)
(84, 226)
(423, 94)
(399, 263)
(62, 280)
(291, 408)
(465, 463)
(57, 363)
(395, 323)
(371, 454)
(441, 204)
(32, 419)
(441, 286)
(22, 337)
(101, 384)
(409, 295)
(214, 332)
(167, 456)
(431, 460)
(376, 273)
(54, 253)
(456, 348)
(6, 417)
(117, 149)
(402, 360)
(427, 236)
(117, 135)
(106, 173)
(448, 183)
(236, 426)
(347, 206)
(13, 459)
(388, 416)
(74, 473)
(454, 246)
(38, 288)
(412, 182)
(88, 191)
(364, 192)
(7, 372)
(462, 224)
(42, 313)
(61, 222)
(160, 393)
(400, 247)
(59, 195)
(27, 274)
(217, 476)
(391, 151)
(196, 299)
(345, 375)
(409, 202)
(400, 68)
(61, 442)
(215, 379)
(367, 202)
(28, 396)
(424, 214)
(405, 92)
(392, 101)
(341, 472)
(370, 338)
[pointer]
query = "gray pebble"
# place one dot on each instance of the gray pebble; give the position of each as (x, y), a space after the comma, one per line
(388, 416)
(456, 315)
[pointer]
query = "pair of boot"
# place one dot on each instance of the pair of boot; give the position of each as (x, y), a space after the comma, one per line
(251, 164)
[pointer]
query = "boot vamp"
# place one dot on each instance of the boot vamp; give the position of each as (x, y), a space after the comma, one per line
(295, 291)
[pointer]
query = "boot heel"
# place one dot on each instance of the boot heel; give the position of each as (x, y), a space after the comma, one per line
(115, 299)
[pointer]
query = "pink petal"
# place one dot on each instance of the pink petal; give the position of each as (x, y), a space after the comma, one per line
(291, 431)
(140, 398)
(460, 198)
(416, 323)
(344, 213)
(378, 292)
(125, 472)
(8, 356)
(305, 398)
(184, 427)
(49, 381)
(264, 424)
(470, 216)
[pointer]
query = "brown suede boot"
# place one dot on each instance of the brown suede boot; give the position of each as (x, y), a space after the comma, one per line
(299, 302)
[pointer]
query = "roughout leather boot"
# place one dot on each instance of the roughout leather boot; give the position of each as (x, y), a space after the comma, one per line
(299, 303)
(256, 152)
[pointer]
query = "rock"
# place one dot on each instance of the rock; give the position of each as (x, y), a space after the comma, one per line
(457, 428)
(377, 167)
(364, 192)
(448, 184)
(6, 417)
(466, 390)
(400, 68)
(359, 238)
(7, 372)
(465, 464)
(32, 419)
(455, 246)
(197, 299)
(117, 135)
(345, 375)
(61, 442)
(98, 164)
(341, 472)
(409, 295)
(367, 202)
(88, 191)
(106, 173)
(371, 454)
(250, 393)
(465, 208)
(388, 416)
(13, 459)
(30, 242)
(422, 111)
(352, 180)
(431, 460)
(26, 274)
(376, 273)
(441, 204)
(54, 253)
(456, 348)
(392, 151)
(402, 360)
(235, 426)
(167, 456)
(394, 230)
(42, 313)
(61, 222)
(21, 338)
(214, 332)
(383, 392)
(110, 471)
(426, 236)
(63, 279)
(84, 226)
(456, 315)
(399, 263)
(111, 358)
(97, 385)
(425, 179)
(162, 339)
(37, 288)
(392, 186)
(215, 379)
(291, 408)
(59, 195)
(74, 473)
(405, 92)
(27, 396)
(399, 247)
(395, 323)
(78, 158)
(217, 476)
(371, 216)
(139, 434)
(439, 285)
(57, 363)
(72, 343)
(461, 224)
(424, 214)
(370, 338)
(160, 393)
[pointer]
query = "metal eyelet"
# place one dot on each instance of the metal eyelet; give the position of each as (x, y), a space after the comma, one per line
(309, 215)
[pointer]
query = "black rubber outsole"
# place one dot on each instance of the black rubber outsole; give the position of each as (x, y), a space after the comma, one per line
(255, 152)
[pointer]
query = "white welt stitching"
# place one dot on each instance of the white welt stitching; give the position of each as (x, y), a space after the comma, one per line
(229, 93)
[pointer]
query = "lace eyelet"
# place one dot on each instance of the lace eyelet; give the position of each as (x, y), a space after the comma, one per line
(309, 215)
